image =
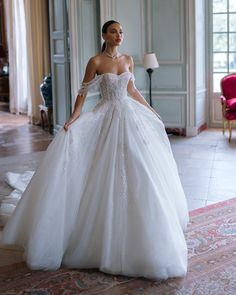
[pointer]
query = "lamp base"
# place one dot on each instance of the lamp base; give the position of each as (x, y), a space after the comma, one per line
(150, 71)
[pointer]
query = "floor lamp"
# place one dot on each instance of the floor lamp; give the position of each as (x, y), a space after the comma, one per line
(150, 62)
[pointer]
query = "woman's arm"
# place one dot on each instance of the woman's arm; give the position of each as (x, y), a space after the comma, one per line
(90, 73)
(134, 93)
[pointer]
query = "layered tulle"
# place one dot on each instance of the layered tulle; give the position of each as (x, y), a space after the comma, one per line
(107, 195)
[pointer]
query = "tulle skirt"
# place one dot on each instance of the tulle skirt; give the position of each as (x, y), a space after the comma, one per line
(106, 195)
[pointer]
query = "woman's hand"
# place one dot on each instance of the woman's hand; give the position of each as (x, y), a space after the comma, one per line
(66, 126)
(68, 123)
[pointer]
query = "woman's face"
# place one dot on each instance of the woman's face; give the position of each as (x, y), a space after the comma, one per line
(114, 35)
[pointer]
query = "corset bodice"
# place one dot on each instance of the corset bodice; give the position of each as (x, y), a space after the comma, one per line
(112, 87)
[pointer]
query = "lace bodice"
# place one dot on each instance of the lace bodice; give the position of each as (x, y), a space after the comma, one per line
(111, 86)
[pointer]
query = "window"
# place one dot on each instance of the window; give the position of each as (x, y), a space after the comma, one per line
(224, 40)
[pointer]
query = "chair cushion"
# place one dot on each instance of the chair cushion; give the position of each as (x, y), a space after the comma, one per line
(231, 103)
(230, 115)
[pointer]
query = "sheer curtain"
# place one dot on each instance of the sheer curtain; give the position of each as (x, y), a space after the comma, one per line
(28, 39)
(16, 37)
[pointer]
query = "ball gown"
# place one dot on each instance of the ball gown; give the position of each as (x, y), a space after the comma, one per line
(107, 194)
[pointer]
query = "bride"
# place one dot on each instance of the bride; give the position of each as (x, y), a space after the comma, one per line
(107, 194)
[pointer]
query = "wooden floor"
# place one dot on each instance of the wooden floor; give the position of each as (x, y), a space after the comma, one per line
(21, 148)
(17, 137)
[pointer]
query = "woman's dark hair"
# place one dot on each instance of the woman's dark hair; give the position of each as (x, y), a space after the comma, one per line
(104, 30)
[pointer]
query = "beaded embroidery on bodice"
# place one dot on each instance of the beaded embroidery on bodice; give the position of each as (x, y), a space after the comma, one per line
(112, 86)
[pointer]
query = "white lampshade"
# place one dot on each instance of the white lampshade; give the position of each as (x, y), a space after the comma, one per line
(150, 61)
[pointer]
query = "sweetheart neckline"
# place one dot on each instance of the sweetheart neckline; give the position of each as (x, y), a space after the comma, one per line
(98, 77)
(108, 73)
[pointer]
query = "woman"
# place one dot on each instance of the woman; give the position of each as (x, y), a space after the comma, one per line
(107, 194)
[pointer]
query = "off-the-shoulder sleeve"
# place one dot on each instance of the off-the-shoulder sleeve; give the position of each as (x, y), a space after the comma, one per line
(132, 78)
(92, 85)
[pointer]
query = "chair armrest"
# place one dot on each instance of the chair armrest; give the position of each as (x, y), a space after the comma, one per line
(223, 103)
(223, 99)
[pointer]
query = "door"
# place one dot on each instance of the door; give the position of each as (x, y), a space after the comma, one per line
(58, 15)
(222, 49)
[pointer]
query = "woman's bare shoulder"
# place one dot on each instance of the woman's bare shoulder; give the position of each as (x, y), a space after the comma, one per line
(91, 68)
(129, 61)
(96, 59)
(128, 57)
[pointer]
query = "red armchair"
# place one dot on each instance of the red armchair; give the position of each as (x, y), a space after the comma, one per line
(228, 101)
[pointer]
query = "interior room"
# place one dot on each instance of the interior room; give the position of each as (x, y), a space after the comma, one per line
(45, 46)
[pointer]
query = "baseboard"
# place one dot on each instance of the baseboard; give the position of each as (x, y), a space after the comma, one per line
(189, 132)
(202, 127)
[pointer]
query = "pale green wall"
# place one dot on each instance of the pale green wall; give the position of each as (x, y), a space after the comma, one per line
(89, 40)
(168, 41)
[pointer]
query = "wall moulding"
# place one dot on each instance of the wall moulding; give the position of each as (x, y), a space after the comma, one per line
(175, 116)
(168, 42)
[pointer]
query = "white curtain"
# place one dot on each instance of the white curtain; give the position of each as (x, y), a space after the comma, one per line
(28, 41)
(16, 37)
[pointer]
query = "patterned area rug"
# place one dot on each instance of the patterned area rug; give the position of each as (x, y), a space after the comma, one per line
(211, 240)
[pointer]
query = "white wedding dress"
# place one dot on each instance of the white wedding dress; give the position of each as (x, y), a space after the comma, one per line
(107, 194)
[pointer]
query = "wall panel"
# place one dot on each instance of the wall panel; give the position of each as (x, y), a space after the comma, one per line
(167, 39)
(168, 30)
(172, 109)
(169, 77)
(131, 14)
